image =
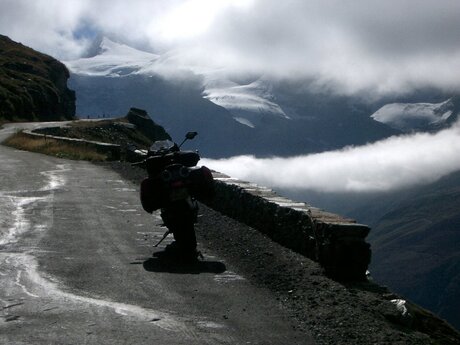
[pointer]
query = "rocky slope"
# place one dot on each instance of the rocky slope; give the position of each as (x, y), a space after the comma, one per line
(33, 86)
(415, 245)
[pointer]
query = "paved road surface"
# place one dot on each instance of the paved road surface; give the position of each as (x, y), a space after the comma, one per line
(76, 267)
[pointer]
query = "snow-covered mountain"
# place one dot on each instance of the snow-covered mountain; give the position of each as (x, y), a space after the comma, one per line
(234, 114)
(112, 60)
(248, 103)
(417, 116)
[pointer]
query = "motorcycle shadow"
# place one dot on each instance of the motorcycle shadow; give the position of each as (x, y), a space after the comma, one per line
(170, 263)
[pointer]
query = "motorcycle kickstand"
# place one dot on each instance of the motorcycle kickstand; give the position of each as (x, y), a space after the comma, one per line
(162, 239)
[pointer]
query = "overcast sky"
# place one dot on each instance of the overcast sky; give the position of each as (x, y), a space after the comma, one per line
(383, 46)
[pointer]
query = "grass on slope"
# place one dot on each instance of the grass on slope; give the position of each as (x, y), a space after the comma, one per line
(53, 147)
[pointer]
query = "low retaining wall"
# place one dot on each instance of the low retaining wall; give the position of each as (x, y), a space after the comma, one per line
(112, 151)
(336, 242)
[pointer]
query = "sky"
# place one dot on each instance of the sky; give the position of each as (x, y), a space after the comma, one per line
(349, 46)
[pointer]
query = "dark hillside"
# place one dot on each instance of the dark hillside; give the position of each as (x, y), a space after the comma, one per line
(414, 239)
(415, 247)
(33, 86)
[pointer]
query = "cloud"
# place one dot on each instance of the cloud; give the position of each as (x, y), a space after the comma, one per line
(380, 46)
(387, 165)
(47, 26)
(386, 46)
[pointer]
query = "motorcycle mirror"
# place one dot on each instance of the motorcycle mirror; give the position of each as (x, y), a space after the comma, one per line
(191, 135)
(188, 136)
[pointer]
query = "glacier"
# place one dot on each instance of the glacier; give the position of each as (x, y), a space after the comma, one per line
(248, 103)
(414, 116)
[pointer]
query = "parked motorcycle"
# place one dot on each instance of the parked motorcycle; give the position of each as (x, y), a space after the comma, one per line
(174, 184)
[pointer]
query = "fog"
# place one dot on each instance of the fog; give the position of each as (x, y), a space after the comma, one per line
(383, 166)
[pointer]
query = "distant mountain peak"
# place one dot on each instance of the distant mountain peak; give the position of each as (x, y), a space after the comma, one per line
(248, 101)
(418, 116)
(113, 59)
(95, 47)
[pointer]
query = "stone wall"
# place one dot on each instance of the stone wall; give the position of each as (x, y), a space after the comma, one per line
(336, 242)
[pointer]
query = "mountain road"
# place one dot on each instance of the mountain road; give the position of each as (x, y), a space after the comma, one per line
(76, 267)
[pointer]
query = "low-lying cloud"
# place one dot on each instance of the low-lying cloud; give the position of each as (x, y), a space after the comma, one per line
(387, 165)
(364, 45)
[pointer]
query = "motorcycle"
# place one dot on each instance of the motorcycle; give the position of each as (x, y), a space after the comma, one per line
(174, 184)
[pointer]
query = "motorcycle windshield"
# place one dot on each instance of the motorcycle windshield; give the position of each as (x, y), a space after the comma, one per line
(161, 145)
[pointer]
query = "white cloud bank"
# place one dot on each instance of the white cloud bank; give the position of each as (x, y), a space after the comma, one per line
(387, 165)
(363, 45)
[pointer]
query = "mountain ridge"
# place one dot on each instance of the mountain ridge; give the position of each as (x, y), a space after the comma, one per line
(33, 86)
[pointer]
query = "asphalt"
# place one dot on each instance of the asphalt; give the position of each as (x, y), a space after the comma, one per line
(76, 267)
